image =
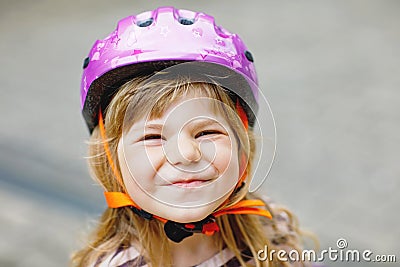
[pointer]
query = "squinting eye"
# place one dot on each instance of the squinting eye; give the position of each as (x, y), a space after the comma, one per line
(151, 137)
(208, 132)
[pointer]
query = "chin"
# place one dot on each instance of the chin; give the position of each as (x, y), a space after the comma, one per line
(186, 215)
(189, 213)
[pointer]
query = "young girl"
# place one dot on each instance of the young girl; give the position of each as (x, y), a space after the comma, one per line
(170, 100)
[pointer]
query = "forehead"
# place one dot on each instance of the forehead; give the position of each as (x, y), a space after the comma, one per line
(181, 98)
(191, 98)
(193, 103)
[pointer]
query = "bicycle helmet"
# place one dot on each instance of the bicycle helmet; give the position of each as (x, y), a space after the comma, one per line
(154, 40)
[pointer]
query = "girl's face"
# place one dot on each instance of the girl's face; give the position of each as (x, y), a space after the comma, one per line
(182, 165)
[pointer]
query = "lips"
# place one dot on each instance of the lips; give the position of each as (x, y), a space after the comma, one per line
(194, 175)
(191, 183)
(168, 177)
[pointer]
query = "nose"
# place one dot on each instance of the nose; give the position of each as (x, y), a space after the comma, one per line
(182, 149)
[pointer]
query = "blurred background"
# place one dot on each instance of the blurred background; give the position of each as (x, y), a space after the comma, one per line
(330, 70)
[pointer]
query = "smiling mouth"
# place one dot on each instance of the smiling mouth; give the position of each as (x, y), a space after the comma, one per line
(191, 183)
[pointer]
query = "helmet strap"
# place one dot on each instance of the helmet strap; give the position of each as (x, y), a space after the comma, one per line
(178, 231)
(107, 150)
(242, 114)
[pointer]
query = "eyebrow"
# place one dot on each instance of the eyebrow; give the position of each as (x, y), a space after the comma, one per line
(204, 123)
(198, 125)
(147, 127)
(154, 126)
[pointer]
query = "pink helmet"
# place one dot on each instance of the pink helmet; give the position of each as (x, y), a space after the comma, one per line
(154, 40)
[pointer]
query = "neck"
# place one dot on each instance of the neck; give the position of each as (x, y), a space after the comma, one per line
(193, 250)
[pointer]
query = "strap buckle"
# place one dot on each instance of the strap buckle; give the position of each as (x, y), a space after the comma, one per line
(179, 231)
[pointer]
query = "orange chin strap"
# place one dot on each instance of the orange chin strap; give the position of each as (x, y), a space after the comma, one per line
(178, 231)
(208, 226)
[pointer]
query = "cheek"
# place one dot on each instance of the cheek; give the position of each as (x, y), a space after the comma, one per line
(139, 165)
(226, 160)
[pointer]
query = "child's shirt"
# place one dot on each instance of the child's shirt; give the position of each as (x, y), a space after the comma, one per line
(131, 257)
(279, 231)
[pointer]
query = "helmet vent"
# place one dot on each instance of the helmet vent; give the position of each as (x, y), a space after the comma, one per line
(86, 62)
(184, 21)
(145, 23)
(249, 56)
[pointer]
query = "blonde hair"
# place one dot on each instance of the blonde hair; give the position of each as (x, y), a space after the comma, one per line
(120, 228)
